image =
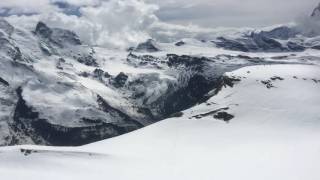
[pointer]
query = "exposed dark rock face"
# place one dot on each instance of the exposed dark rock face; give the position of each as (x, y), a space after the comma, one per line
(316, 47)
(41, 131)
(23, 118)
(219, 114)
(84, 74)
(27, 152)
(223, 116)
(263, 41)
(56, 41)
(43, 30)
(130, 123)
(120, 80)
(88, 60)
(274, 78)
(60, 63)
(193, 84)
(295, 47)
(185, 97)
(75, 136)
(197, 76)
(197, 63)
(268, 84)
(148, 46)
(10, 49)
(316, 12)
(56, 35)
(4, 82)
(282, 32)
(98, 74)
(230, 44)
(176, 115)
(60, 36)
(180, 43)
(144, 60)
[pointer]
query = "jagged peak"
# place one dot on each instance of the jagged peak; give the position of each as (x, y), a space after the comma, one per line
(149, 46)
(57, 35)
(43, 30)
(316, 11)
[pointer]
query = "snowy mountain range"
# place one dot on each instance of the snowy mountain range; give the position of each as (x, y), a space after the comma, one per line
(57, 90)
(266, 126)
(240, 105)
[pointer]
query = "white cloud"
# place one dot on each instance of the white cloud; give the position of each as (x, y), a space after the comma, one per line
(26, 6)
(114, 23)
(124, 23)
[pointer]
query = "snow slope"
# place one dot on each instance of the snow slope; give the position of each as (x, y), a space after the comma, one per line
(272, 133)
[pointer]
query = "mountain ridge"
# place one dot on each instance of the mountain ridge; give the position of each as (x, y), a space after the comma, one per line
(70, 88)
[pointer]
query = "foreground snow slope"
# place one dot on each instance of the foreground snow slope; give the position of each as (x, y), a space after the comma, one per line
(272, 132)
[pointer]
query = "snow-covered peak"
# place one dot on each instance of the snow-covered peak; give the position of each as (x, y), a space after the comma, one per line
(59, 36)
(149, 46)
(282, 33)
(71, 87)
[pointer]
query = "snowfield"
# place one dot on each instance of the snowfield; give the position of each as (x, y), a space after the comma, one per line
(267, 126)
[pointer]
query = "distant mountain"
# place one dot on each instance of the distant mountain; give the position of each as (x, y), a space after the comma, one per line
(266, 126)
(57, 90)
(239, 105)
(316, 12)
(280, 39)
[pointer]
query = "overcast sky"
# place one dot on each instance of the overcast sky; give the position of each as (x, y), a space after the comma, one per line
(233, 13)
(124, 23)
(208, 13)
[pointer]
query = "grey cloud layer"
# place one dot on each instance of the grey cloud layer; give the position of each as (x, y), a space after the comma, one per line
(233, 13)
(124, 23)
(210, 13)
